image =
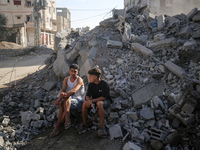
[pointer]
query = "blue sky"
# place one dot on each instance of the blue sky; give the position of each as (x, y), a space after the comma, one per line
(82, 13)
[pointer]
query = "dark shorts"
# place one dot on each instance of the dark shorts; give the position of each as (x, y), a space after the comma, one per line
(106, 103)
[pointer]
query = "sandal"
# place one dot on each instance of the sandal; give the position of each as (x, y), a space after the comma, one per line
(67, 125)
(82, 129)
(54, 133)
(102, 132)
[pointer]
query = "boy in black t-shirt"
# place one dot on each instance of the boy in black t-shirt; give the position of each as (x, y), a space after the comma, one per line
(97, 94)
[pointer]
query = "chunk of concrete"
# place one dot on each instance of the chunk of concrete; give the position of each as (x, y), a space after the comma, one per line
(144, 94)
(115, 131)
(131, 146)
(184, 32)
(188, 107)
(184, 117)
(72, 55)
(147, 113)
(132, 115)
(190, 45)
(49, 86)
(26, 117)
(114, 44)
(160, 22)
(196, 34)
(5, 122)
(175, 69)
(88, 64)
(196, 17)
(191, 14)
(163, 43)
(140, 48)
(1, 141)
(60, 65)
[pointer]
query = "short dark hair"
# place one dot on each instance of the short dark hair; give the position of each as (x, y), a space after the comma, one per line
(95, 71)
(75, 66)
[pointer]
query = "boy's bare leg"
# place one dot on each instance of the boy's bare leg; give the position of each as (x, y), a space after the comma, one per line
(101, 112)
(67, 105)
(60, 116)
(85, 107)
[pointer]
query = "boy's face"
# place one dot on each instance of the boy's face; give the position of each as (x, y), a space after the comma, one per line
(73, 72)
(92, 78)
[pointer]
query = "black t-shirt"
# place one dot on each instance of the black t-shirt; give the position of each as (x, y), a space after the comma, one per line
(98, 90)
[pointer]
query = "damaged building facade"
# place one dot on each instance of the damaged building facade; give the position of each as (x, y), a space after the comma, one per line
(63, 19)
(20, 16)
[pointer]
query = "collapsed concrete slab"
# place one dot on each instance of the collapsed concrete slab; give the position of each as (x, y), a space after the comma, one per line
(175, 69)
(72, 55)
(114, 44)
(160, 22)
(163, 43)
(140, 48)
(144, 94)
(184, 32)
(88, 64)
(61, 66)
(191, 14)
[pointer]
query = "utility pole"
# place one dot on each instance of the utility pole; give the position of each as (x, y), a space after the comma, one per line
(37, 6)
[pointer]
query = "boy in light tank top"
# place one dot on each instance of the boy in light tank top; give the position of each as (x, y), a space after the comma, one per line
(71, 98)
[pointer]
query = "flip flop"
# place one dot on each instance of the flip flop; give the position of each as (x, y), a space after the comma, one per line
(102, 132)
(67, 125)
(54, 133)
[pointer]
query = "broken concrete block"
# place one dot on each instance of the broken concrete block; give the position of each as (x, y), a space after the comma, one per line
(192, 13)
(127, 33)
(157, 134)
(144, 94)
(124, 119)
(159, 37)
(184, 117)
(38, 94)
(49, 86)
(147, 113)
(88, 64)
(131, 146)
(196, 34)
(25, 117)
(37, 124)
(141, 39)
(157, 145)
(5, 121)
(175, 69)
(115, 131)
(160, 22)
(37, 103)
(118, 12)
(132, 115)
(72, 55)
(188, 107)
(140, 48)
(196, 17)
(114, 44)
(60, 65)
(184, 32)
(1, 141)
(114, 115)
(163, 43)
(190, 45)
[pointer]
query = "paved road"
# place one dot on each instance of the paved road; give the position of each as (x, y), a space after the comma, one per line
(24, 65)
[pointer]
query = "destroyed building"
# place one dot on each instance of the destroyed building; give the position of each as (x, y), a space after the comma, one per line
(152, 66)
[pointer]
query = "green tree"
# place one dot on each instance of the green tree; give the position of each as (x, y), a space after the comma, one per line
(3, 22)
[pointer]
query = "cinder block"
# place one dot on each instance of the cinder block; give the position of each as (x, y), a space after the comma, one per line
(157, 134)
(160, 22)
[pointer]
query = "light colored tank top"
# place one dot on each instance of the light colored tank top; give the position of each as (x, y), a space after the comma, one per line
(80, 94)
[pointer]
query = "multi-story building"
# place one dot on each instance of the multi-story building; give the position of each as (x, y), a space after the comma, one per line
(63, 19)
(169, 7)
(20, 15)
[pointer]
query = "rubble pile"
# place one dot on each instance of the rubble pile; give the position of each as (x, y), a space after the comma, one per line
(152, 66)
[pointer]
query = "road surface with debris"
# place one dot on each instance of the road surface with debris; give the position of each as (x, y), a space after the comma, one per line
(16, 68)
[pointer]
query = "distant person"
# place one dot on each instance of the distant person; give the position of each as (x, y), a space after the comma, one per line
(71, 98)
(98, 98)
